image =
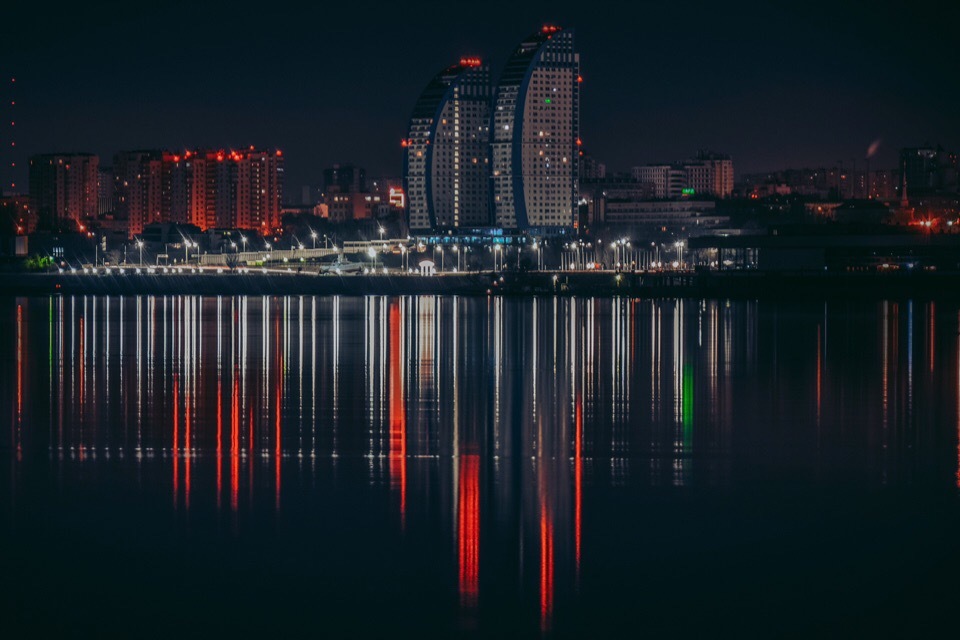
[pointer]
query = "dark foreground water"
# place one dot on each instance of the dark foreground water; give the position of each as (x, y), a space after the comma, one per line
(441, 466)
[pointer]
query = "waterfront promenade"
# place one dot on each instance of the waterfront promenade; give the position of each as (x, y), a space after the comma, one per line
(705, 284)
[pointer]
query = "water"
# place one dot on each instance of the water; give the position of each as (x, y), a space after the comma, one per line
(445, 466)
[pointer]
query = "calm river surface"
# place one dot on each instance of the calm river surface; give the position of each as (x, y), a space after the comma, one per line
(448, 466)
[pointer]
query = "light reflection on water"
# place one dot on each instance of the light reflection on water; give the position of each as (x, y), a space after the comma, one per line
(489, 422)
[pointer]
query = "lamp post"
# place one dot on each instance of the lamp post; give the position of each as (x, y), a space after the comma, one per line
(440, 249)
(456, 250)
(381, 230)
(313, 234)
(679, 245)
(140, 245)
(243, 241)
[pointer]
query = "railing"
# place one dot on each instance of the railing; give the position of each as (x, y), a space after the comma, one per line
(265, 256)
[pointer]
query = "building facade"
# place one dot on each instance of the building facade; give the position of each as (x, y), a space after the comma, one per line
(535, 135)
(709, 174)
(206, 188)
(137, 188)
(446, 158)
(64, 189)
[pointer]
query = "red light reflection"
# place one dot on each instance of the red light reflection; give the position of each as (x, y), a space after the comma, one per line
(468, 530)
(398, 416)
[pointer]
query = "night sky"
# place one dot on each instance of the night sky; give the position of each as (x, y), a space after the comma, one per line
(803, 85)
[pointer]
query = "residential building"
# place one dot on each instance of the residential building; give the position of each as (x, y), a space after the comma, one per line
(446, 151)
(63, 188)
(535, 135)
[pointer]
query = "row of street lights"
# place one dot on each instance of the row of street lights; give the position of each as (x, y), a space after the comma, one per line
(620, 248)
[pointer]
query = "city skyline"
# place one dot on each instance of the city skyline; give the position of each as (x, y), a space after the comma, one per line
(733, 79)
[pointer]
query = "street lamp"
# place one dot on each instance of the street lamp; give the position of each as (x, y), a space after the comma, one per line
(679, 245)
(440, 249)
(243, 240)
(456, 250)
(140, 245)
(313, 234)
(381, 230)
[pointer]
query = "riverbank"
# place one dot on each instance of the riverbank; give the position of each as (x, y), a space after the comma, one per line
(728, 284)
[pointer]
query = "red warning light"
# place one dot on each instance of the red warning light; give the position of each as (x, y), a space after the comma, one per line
(470, 62)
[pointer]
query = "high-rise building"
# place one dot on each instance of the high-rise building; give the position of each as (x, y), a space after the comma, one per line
(63, 188)
(207, 188)
(710, 174)
(536, 134)
(105, 188)
(137, 193)
(259, 190)
(446, 153)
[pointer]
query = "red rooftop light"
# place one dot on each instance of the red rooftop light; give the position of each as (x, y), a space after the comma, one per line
(470, 62)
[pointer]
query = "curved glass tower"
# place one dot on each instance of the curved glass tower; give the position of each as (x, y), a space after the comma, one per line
(445, 161)
(535, 135)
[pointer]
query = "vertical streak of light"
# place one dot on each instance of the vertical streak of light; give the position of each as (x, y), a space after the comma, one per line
(497, 371)
(138, 378)
(50, 343)
(456, 413)
(313, 378)
(535, 359)
(94, 405)
(932, 311)
(19, 382)
(60, 374)
(885, 371)
(278, 403)
(546, 568)
(578, 484)
(910, 364)
(187, 359)
(468, 530)
(219, 401)
(235, 441)
(369, 355)
(819, 380)
(336, 373)
(176, 436)
(398, 418)
(300, 369)
(83, 355)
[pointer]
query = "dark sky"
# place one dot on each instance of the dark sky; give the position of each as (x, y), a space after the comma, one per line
(803, 85)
